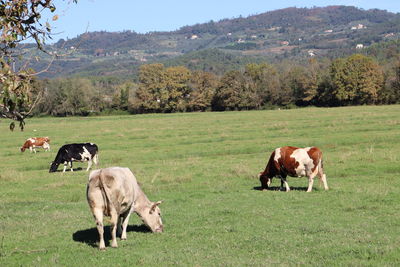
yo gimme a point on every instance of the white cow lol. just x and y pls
(115, 192)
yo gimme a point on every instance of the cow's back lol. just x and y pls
(111, 187)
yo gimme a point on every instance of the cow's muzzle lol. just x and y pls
(159, 229)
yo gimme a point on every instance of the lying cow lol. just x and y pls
(35, 142)
(115, 192)
(75, 152)
(295, 162)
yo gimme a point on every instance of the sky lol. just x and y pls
(168, 15)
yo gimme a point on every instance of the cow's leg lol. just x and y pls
(98, 216)
(269, 181)
(284, 182)
(310, 183)
(325, 182)
(31, 149)
(114, 224)
(46, 147)
(89, 165)
(70, 166)
(311, 175)
(65, 166)
(322, 177)
(125, 220)
(311, 180)
(96, 159)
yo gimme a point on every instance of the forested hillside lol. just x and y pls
(291, 33)
(329, 56)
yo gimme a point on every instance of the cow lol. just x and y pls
(75, 152)
(35, 142)
(115, 192)
(295, 162)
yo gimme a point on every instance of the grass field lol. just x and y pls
(204, 166)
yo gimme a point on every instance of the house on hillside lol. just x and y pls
(358, 27)
(99, 52)
(311, 53)
(359, 46)
(284, 43)
(389, 35)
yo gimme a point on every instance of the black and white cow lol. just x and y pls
(75, 152)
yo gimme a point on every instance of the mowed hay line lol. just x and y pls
(205, 166)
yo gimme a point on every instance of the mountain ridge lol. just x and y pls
(294, 33)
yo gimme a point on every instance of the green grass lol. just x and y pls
(204, 166)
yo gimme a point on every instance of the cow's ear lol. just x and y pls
(154, 205)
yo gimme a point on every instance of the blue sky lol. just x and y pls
(168, 15)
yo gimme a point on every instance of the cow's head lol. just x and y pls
(151, 216)
(265, 180)
(22, 149)
(53, 167)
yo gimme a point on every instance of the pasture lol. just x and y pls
(204, 166)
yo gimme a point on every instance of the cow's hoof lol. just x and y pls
(123, 238)
(102, 248)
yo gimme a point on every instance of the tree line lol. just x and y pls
(353, 80)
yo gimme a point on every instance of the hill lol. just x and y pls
(293, 33)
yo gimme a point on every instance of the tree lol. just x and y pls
(121, 98)
(396, 84)
(151, 82)
(263, 80)
(391, 93)
(233, 93)
(176, 91)
(356, 80)
(162, 89)
(20, 20)
(202, 88)
(302, 83)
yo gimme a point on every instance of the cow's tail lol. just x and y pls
(109, 199)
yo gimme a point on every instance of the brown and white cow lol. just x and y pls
(35, 142)
(295, 162)
(115, 192)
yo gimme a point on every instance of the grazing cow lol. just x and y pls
(115, 192)
(295, 162)
(35, 142)
(75, 152)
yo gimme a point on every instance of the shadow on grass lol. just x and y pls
(69, 170)
(277, 188)
(91, 236)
